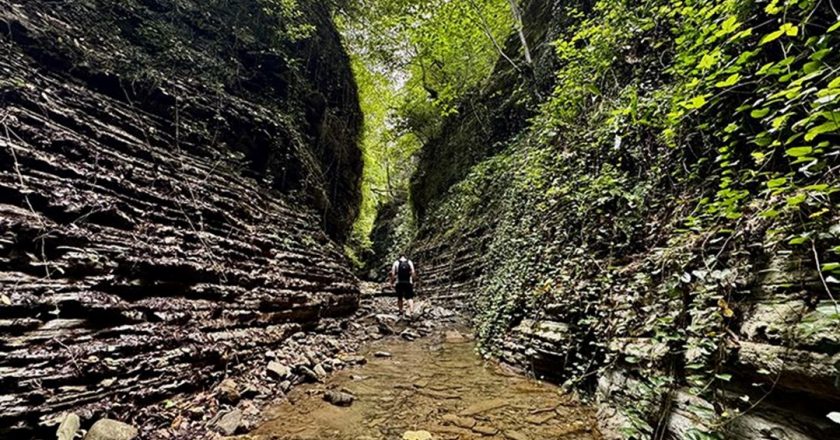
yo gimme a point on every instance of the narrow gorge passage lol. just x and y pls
(636, 202)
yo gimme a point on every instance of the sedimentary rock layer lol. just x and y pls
(149, 228)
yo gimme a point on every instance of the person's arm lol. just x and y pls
(391, 276)
(413, 272)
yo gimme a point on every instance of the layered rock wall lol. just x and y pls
(577, 261)
(161, 223)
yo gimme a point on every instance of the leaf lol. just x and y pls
(775, 183)
(729, 25)
(828, 267)
(760, 113)
(819, 55)
(695, 103)
(797, 240)
(811, 67)
(796, 200)
(833, 27)
(729, 81)
(724, 377)
(827, 127)
(770, 37)
(799, 151)
(707, 61)
(786, 29)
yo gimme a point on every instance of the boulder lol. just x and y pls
(278, 370)
(107, 429)
(309, 374)
(228, 391)
(409, 335)
(229, 422)
(339, 398)
(68, 427)
(319, 371)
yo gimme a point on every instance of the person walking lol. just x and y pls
(402, 277)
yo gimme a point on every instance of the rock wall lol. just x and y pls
(488, 120)
(578, 265)
(166, 181)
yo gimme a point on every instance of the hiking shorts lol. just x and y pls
(405, 290)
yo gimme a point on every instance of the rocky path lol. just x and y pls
(372, 375)
(435, 387)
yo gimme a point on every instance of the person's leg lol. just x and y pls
(400, 293)
(409, 294)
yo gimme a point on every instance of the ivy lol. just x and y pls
(686, 142)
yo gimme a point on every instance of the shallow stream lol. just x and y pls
(433, 388)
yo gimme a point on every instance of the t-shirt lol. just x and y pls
(395, 268)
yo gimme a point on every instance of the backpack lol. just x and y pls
(404, 271)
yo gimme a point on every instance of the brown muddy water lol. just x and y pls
(433, 388)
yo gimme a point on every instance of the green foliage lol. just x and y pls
(686, 142)
(412, 60)
(291, 22)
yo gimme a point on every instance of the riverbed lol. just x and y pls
(436, 387)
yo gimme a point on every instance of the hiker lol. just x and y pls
(402, 279)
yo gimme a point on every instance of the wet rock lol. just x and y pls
(250, 392)
(385, 329)
(285, 385)
(309, 374)
(228, 391)
(463, 422)
(312, 357)
(453, 337)
(278, 370)
(437, 394)
(339, 398)
(353, 359)
(516, 435)
(484, 406)
(417, 435)
(68, 427)
(382, 354)
(107, 429)
(319, 371)
(485, 429)
(229, 422)
(388, 318)
(539, 419)
(409, 335)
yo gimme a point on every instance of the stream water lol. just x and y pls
(433, 388)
